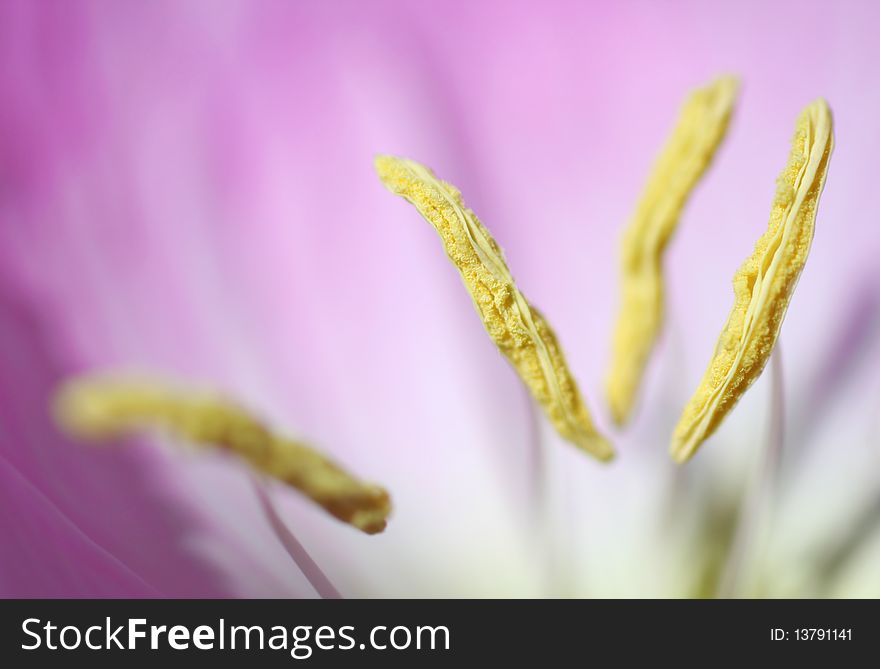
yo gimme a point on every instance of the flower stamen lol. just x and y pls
(517, 328)
(701, 128)
(763, 285)
(103, 408)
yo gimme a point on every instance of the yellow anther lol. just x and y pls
(517, 328)
(763, 286)
(103, 408)
(701, 127)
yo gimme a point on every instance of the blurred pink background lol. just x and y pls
(187, 188)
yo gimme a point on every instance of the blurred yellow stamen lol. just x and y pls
(517, 328)
(103, 408)
(763, 286)
(701, 127)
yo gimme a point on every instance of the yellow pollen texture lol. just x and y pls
(701, 127)
(98, 409)
(763, 285)
(517, 328)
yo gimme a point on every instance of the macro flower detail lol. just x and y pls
(701, 127)
(518, 329)
(763, 285)
(209, 212)
(97, 409)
